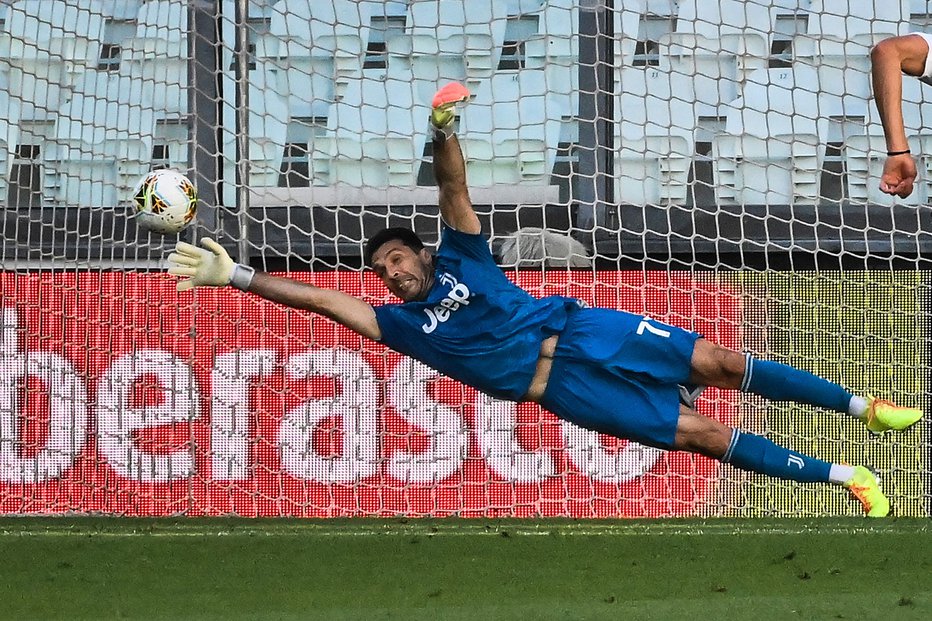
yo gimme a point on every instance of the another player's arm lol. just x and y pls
(210, 265)
(449, 166)
(889, 60)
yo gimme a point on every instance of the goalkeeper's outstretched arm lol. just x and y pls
(449, 165)
(210, 265)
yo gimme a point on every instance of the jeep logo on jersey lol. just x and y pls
(458, 296)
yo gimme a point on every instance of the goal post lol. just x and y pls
(714, 169)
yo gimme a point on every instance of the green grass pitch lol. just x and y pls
(109, 568)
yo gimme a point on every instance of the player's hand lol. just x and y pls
(444, 105)
(205, 265)
(899, 173)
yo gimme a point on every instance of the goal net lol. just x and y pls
(714, 165)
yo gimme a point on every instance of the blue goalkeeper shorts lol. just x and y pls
(618, 374)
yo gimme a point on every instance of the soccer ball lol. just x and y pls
(165, 201)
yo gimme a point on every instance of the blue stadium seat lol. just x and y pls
(102, 143)
(511, 130)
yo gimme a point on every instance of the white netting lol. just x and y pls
(712, 163)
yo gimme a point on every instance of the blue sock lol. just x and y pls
(781, 382)
(758, 454)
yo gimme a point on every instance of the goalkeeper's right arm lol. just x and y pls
(209, 265)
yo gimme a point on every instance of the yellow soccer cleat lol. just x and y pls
(444, 105)
(864, 486)
(884, 415)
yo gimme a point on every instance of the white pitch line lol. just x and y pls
(468, 530)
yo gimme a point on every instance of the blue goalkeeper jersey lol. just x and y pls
(475, 326)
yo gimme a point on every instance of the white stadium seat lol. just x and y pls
(310, 59)
(102, 143)
(773, 144)
(627, 20)
(376, 134)
(857, 18)
(843, 60)
(555, 48)
(158, 55)
(9, 135)
(718, 44)
(46, 44)
(511, 130)
(269, 115)
(450, 40)
(319, 46)
(654, 133)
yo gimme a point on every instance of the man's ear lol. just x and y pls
(426, 255)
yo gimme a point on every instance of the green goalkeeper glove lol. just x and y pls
(444, 109)
(208, 265)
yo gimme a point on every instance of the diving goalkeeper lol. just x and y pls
(606, 370)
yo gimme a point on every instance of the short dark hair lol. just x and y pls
(406, 236)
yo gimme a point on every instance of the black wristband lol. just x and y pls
(892, 153)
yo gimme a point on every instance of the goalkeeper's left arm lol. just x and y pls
(209, 265)
(449, 166)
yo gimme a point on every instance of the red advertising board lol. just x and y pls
(118, 395)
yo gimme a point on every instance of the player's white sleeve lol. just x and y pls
(927, 71)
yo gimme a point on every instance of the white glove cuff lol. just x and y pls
(242, 276)
(440, 134)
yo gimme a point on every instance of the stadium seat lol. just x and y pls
(773, 144)
(856, 18)
(269, 115)
(843, 61)
(450, 40)
(511, 130)
(319, 46)
(376, 134)
(555, 48)
(627, 20)
(156, 57)
(9, 135)
(308, 60)
(656, 119)
(46, 44)
(718, 44)
(102, 143)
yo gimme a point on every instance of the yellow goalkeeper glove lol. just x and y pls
(444, 109)
(208, 265)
